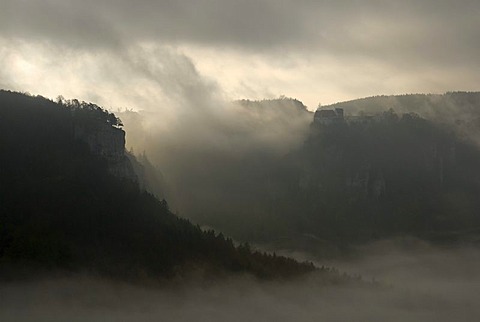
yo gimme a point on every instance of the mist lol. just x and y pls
(414, 281)
(206, 147)
(217, 99)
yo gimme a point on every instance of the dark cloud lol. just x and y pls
(245, 23)
(409, 30)
(60, 22)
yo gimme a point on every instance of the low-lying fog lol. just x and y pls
(421, 283)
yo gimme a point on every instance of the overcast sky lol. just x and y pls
(123, 53)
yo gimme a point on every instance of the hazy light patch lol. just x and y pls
(24, 68)
(53, 70)
(319, 78)
(142, 77)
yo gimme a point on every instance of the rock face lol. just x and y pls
(104, 140)
(366, 182)
(108, 142)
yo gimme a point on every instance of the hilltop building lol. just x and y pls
(328, 117)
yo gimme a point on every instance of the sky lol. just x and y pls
(144, 54)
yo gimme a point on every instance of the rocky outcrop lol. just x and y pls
(104, 140)
(366, 182)
(108, 142)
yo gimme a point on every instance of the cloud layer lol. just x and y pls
(313, 50)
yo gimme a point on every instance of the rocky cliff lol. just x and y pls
(107, 141)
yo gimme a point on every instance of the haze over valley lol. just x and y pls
(239, 160)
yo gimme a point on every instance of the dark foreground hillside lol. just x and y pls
(62, 208)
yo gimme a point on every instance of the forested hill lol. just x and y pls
(458, 110)
(62, 206)
(385, 174)
(358, 179)
(451, 105)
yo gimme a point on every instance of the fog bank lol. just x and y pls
(420, 284)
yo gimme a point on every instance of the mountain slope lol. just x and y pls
(62, 206)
